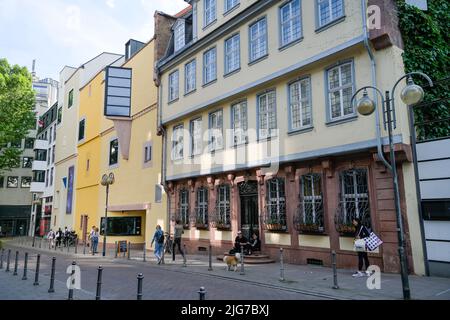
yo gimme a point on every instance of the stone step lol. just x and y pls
(253, 259)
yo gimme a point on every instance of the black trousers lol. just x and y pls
(363, 259)
(177, 242)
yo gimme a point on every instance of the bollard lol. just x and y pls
(84, 247)
(16, 264)
(210, 259)
(1, 259)
(72, 282)
(36, 275)
(8, 260)
(335, 281)
(40, 243)
(25, 267)
(76, 246)
(68, 246)
(117, 250)
(143, 256)
(129, 250)
(202, 293)
(52, 277)
(281, 265)
(99, 283)
(242, 260)
(139, 290)
(184, 256)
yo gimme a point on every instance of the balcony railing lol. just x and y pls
(275, 219)
(310, 217)
(349, 209)
(183, 216)
(41, 145)
(220, 219)
(201, 219)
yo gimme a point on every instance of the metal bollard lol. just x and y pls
(335, 281)
(71, 284)
(16, 264)
(99, 283)
(210, 258)
(202, 293)
(40, 243)
(8, 260)
(242, 260)
(84, 247)
(1, 259)
(129, 250)
(68, 246)
(139, 290)
(184, 256)
(76, 246)
(25, 267)
(117, 250)
(144, 253)
(36, 275)
(52, 277)
(281, 265)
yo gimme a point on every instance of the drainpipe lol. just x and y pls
(374, 82)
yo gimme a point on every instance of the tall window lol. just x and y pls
(29, 143)
(70, 99)
(202, 207)
(174, 85)
(216, 130)
(190, 76)
(196, 137)
(258, 39)
(49, 158)
(184, 207)
(114, 152)
(230, 4)
(354, 196)
(53, 154)
(232, 54)
(311, 203)
(180, 35)
(47, 178)
(300, 104)
(290, 18)
(210, 66)
(51, 176)
(148, 153)
(240, 124)
(177, 143)
(81, 130)
(276, 203)
(209, 11)
(223, 220)
(59, 115)
(329, 10)
(50, 138)
(340, 91)
(267, 115)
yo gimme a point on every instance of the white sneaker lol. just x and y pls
(358, 274)
(368, 273)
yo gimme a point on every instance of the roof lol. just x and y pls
(183, 12)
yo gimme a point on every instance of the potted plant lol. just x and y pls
(200, 224)
(222, 225)
(275, 225)
(310, 228)
(346, 229)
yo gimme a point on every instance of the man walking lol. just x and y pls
(158, 237)
(179, 230)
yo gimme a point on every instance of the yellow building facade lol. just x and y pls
(136, 200)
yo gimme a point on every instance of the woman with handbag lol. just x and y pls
(361, 234)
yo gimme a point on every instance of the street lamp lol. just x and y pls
(411, 94)
(106, 182)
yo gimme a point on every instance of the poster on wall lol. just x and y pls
(70, 190)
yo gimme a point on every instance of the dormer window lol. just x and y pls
(179, 35)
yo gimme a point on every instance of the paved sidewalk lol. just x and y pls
(312, 281)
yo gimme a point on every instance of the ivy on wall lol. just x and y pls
(426, 38)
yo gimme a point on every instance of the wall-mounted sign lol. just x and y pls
(118, 92)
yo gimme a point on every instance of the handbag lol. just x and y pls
(373, 242)
(360, 245)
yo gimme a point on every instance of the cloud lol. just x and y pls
(111, 3)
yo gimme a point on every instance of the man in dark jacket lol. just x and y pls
(239, 241)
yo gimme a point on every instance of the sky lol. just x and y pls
(70, 32)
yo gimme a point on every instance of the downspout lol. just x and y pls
(374, 83)
(164, 152)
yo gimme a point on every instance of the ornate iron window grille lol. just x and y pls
(275, 219)
(310, 214)
(201, 211)
(221, 217)
(353, 202)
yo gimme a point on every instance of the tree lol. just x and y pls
(17, 101)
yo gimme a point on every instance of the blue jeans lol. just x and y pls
(158, 250)
(94, 245)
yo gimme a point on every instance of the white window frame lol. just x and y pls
(178, 143)
(209, 12)
(340, 89)
(231, 4)
(210, 66)
(179, 35)
(302, 102)
(313, 199)
(190, 79)
(174, 85)
(270, 131)
(184, 206)
(294, 18)
(332, 17)
(239, 113)
(232, 49)
(216, 130)
(261, 38)
(196, 137)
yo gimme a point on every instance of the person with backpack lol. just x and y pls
(158, 238)
(361, 233)
(59, 236)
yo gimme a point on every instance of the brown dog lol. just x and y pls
(232, 261)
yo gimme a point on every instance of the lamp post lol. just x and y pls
(106, 182)
(411, 94)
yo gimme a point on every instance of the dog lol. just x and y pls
(232, 261)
